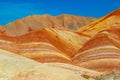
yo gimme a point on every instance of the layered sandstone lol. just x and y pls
(14, 67)
(95, 46)
(45, 44)
(102, 52)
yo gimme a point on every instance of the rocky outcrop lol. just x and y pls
(111, 76)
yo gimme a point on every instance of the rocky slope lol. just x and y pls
(111, 20)
(34, 22)
(46, 43)
(102, 51)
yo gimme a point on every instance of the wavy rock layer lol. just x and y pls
(14, 67)
(101, 53)
(95, 46)
(111, 20)
(45, 45)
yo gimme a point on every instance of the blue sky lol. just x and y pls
(11, 10)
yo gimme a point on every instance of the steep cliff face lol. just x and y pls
(34, 22)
